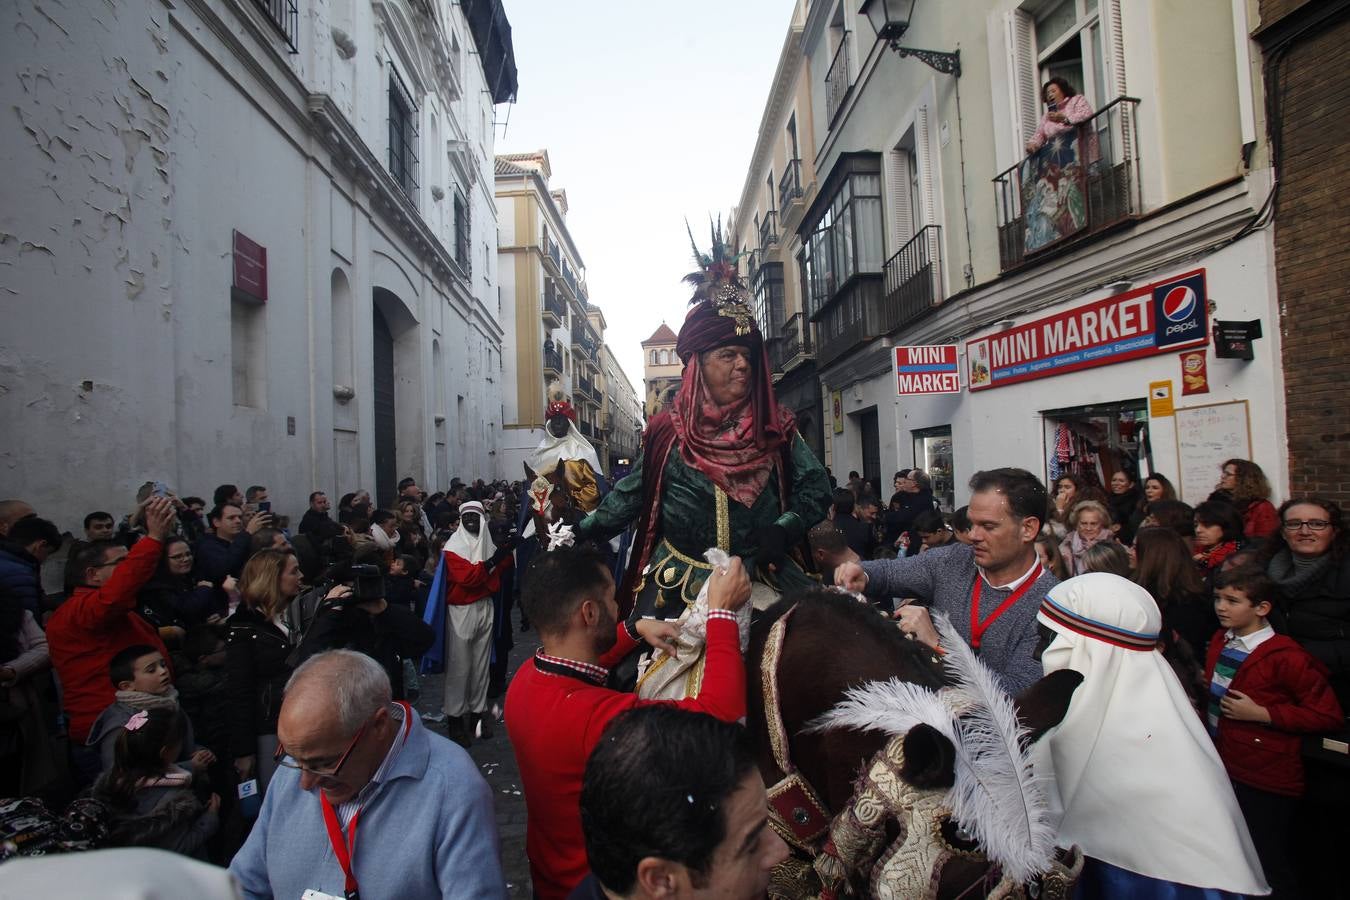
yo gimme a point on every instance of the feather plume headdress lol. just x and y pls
(995, 797)
(717, 281)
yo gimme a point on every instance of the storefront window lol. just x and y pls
(933, 454)
(1095, 442)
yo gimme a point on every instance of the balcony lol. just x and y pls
(585, 427)
(585, 387)
(555, 305)
(912, 279)
(1082, 182)
(852, 317)
(285, 15)
(793, 346)
(569, 277)
(790, 186)
(836, 81)
(552, 254)
(552, 364)
(768, 231)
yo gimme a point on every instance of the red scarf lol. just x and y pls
(733, 445)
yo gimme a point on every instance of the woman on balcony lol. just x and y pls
(1065, 109)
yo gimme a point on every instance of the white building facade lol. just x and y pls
(932, 225)
(249, 242)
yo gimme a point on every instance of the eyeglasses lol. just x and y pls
(1313, 524)
(282, 759)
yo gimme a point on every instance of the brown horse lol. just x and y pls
(832, 644)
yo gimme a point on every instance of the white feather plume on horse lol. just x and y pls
(995, 797)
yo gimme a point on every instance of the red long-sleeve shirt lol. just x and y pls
(92, 627)
(470, 582)
(555, 720)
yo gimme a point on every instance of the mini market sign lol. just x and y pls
(930, 369)
(1158, 318)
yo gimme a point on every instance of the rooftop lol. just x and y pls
(662, 335)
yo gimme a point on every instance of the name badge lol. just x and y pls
(312, 894)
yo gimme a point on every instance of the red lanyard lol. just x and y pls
(978, 628)
(345, 848)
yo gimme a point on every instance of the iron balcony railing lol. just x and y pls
(586, 387)
(285, 15)
(553, 362)
(586, 429)
(555, 305)
(1081, 182)
(790, 185)
(852, 317)
(570, 277)
(794, 345)
(836, 80)
(553, 254)
(913, 279)
(768, 231)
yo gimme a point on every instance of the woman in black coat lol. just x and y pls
(1308, 558)
(258, 648)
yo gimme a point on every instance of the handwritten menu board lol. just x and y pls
(1206, 436)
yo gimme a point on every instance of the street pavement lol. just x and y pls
(498, 765)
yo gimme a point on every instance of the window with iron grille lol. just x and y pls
(461, 232)
(402, 136)
(285, 16)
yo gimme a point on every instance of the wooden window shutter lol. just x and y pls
(1023, 76)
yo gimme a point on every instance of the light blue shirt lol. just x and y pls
(427, 829)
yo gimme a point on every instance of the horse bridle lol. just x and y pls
(796, 811)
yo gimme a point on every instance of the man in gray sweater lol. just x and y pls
(990, 589)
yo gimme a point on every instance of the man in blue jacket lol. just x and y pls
(351, 759)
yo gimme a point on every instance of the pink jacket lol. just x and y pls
(1076, 108)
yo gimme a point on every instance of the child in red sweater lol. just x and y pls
(558, 704)
(1264, 691)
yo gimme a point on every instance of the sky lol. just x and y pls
(649, 112)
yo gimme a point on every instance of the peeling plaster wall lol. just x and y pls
(138, 140)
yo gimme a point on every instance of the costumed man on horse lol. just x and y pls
(723, 467)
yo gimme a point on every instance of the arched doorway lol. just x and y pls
(386, 463)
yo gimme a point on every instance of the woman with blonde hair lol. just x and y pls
(1089, 523)
(257, 652)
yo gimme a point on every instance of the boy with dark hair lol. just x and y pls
(558, 703)
(961, 524)
(1264, 692)
(701, 824)
(143, 680)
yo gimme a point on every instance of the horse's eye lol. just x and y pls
(957, 837)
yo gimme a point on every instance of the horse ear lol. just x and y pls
(560, 473)
(1043, 705)
(529, 473)
(930, 758)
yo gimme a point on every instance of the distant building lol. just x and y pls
(553, 334)
(661, 369)
(248, 243)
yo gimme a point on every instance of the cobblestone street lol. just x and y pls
(498, 765)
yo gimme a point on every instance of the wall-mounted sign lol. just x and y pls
(1233, 340)
(1194, 373)
(928, 369)
(250, 270)
(837, 410)
(1157, 318)
(1160, 399)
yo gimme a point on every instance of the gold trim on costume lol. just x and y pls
(723, 520)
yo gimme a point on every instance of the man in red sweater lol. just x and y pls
(99, 619)
(558, 705)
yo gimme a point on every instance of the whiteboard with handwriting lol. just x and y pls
(1206, 436)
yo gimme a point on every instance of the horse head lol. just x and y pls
(549, 498)
(883, 815)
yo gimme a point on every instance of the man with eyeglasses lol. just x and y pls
(351, 760)
(99, 620)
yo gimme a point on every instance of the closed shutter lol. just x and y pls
(924, 153)
(1023, 90)
(897, 198)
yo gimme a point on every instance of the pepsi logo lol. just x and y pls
(1179, 304)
